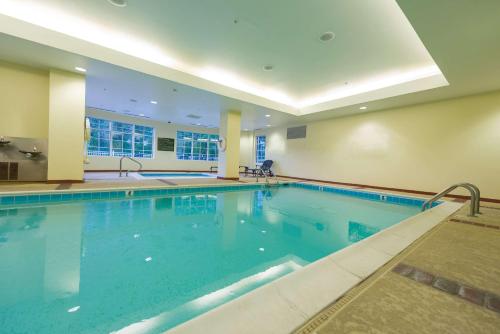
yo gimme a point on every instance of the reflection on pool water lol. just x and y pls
(149, 264)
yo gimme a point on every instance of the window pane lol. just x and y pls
(143, 141)
(260, 149)
(196, 146)
(98, 144)
(120, 139)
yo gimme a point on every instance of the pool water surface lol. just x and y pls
(149, 264)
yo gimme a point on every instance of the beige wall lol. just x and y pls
(162, 160)
(247, 149)
(66, 120)
(229, 158)
(424, 147)
(24, 101)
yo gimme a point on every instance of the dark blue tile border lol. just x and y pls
(379, 197)
(42, 198)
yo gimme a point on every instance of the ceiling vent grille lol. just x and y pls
(296, 132)
(193, 116)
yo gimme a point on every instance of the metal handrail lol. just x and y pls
(265, 176)
(474, 192)
(478, 197)
(131, 159)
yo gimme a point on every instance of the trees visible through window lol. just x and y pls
(260, 149)
(197, 146)
(119, 139)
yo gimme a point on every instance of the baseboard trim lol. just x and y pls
(149, 170)
(228, 178)
(64, 181)
(409, 191)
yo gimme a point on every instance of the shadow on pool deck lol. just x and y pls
(447, 282)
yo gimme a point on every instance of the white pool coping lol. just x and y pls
(285, 304)
(139, 176)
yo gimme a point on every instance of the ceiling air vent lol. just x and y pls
(296, 132)
(193, 116)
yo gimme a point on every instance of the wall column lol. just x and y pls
(229, 160)
(66, 125)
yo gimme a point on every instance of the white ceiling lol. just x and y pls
(222, 46)
(111, 88)
(464, 46)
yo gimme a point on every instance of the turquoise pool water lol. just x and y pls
(147, 264)
(175, 175)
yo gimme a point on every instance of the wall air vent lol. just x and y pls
(296, 132)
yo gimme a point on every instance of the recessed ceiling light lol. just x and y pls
(245, 129)
(327, 36)
(154, 102)
(268, 67)
(198, 124)
(118, 3)
(80, 69)
(363, 107)
(268, 125)
(142, 115)
(268, 115)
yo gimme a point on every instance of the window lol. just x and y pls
(260, 149)
(121, 136)
(119, 139)
(197, 146)
(143, 142)
(99, 137)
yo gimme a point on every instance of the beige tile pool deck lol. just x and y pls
(389, 302)
(358, 289)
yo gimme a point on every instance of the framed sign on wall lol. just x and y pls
(166, 144)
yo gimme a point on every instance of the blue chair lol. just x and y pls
(264, 170)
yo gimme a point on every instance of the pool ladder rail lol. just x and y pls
(131, 159)
(475, 196)
(266, 177)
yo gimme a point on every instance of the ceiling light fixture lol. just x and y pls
(268, 115)
(268, 125)
(80, 69)
(142, 115)
(327, 36)
(118, 3)
(363, 108)
(154, 102)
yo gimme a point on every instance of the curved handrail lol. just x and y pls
(475, 197)
(131, 159)
(477, 203)
(260, 170)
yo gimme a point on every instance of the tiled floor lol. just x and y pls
(450, 285)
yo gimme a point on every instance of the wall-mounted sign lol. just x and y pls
(166, 144)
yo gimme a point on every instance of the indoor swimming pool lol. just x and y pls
(148, 260)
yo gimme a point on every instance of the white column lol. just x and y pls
(229, 159)
(66, 124)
